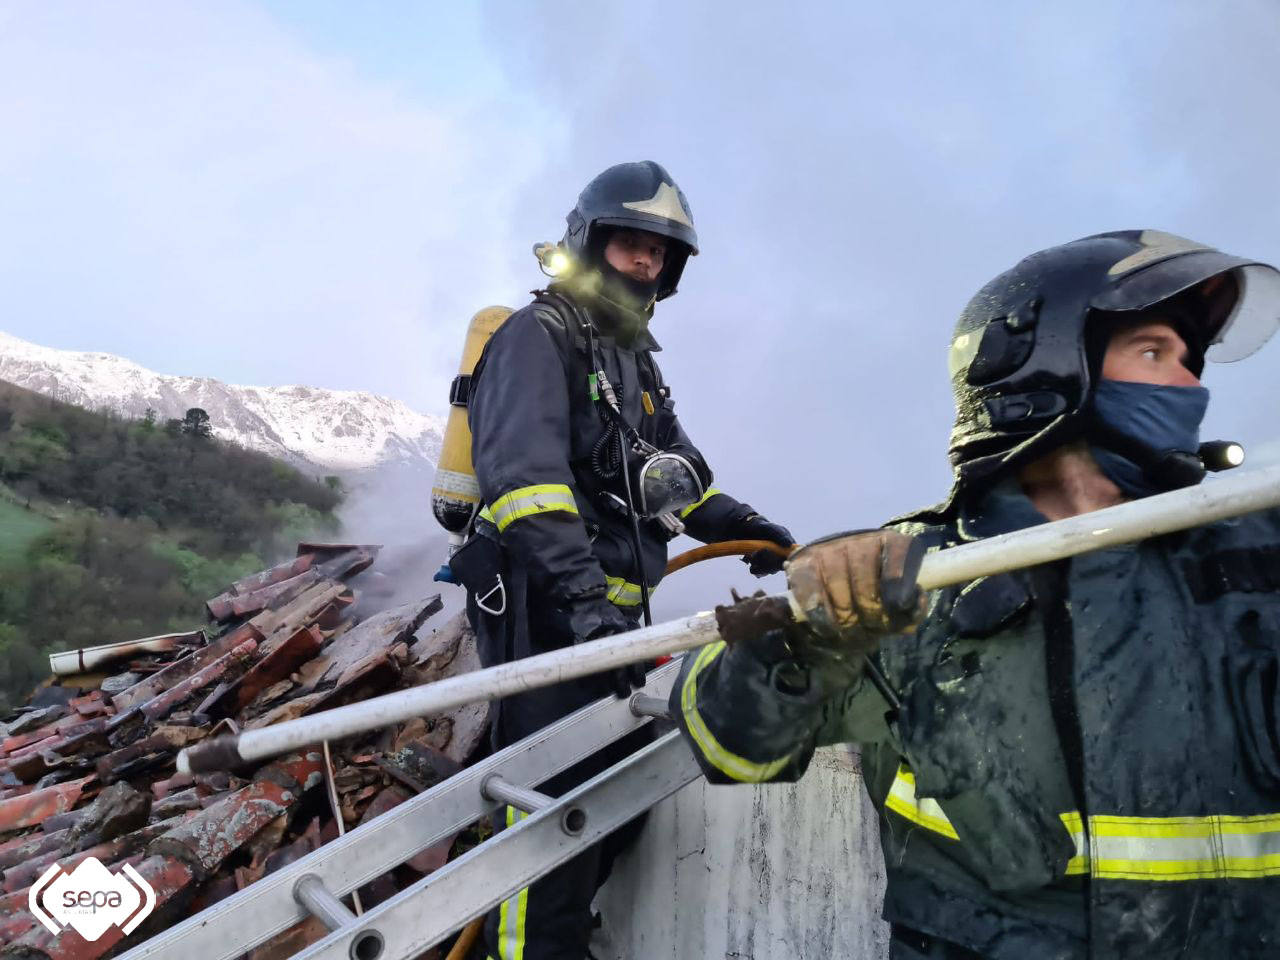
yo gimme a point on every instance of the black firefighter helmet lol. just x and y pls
(1022, 363)
(641, 196)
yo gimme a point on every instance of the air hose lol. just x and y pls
(727, 548)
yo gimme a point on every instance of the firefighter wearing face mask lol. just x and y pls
(586, 474)
(1075, 760)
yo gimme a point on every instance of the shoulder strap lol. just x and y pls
(571, 330)
(572, 327)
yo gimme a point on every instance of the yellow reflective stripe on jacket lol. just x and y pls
(1079, 864)
(512, 912)
(730, 764)
(1215, 847)
(1184, 848)
(526, 501)
(927, 813)
(711, 492)
(922, 811)
(621, 592)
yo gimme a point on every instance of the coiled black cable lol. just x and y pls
(606, 454)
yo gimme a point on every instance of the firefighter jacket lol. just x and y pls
(1086, 760)
(536, 432)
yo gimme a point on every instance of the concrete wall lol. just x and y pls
(752, 873)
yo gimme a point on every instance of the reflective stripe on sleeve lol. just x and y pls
(621, 592)
(711, 492)
(526, 501)
(730, 764)
(921, 811)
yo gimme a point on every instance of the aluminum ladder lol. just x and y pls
(445, 900)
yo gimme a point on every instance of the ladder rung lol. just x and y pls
(320, 902)
(643, 705)
(522, 798)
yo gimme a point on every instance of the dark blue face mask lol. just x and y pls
(1158, 417)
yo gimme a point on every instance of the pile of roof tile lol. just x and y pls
(87, 767)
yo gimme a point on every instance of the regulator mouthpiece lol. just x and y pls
(552, 260)
(1219, 455)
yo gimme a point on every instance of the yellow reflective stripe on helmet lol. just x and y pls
(621, 592)
(921, 811)
(711, 492)
(526, 501)
(1184, 848)
(730, 764)
(512, 912)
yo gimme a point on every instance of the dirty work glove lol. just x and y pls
(593, 618)
(764, 562)
(853, 588)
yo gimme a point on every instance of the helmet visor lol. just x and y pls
(1253, 319)
(1240, 311)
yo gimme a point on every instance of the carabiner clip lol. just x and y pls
(498, 588)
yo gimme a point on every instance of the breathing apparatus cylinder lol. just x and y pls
(455, 495)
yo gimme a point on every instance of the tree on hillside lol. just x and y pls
(196, 423)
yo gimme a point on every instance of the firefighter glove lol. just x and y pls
(853, 588)
(764, 562)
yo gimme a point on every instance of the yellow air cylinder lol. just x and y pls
(455, 496)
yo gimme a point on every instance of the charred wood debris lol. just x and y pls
(87, 766)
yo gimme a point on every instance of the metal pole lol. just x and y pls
(531, 673)
(1218, 499)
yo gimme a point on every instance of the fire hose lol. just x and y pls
(1219, 499)
(727, 548)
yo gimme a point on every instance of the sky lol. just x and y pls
(323, 192)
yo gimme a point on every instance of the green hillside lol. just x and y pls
(113, 529)
(19, 525)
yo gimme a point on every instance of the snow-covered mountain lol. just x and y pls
(329, 431)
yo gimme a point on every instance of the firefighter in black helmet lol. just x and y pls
(1076, 760)
(586, 474)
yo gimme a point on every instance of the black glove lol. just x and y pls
(592, 618)
(764, 562)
